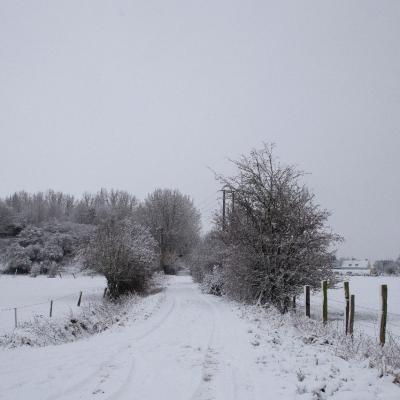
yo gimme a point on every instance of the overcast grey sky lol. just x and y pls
(142, 94)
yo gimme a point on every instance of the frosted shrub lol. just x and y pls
(276, 236)
(53, 270)
(50, 242)
(125, 253)
(52, 252)
(208, 254)
(35, 270)
(17, 259)
(212, 282)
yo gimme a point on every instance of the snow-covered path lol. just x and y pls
(173, 354)
(186, 346)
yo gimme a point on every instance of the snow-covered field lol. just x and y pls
(31, 296)
(367, 301)
(184, 345)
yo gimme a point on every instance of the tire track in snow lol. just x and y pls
(121, 390)
(219, 363)
(105, 365)
(203, 387)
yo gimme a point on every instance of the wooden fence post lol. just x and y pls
(105, 292)
(294, 303)
(352, 312)
(15, 317)
(51, 308)
(325, 301)
(307, 299)
(347, 299)
(382, 333)
(79, 300)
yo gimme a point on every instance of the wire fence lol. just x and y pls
(374, 321)
(75, 300)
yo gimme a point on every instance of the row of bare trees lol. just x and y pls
(270, 240)
(23, 208)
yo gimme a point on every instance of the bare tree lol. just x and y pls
(276, 235)
(93, 208)
(173, 221)
(8, 224)
(41, 206)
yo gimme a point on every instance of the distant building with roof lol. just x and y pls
(353, 266)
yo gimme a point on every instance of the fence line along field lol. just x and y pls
(367, 291)
(32, 296)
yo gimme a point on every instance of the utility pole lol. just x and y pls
(223, 209)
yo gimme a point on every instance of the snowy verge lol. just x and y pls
(360, 346)
(93, 317)
(323, 359)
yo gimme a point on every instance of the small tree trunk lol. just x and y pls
(286, 302)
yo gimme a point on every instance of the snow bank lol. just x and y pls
(329, 359)
(93, 316)
(31, 297)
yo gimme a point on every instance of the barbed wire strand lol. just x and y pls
(48, 301)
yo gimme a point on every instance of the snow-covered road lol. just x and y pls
(184, 346)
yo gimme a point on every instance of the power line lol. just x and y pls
(206, 199)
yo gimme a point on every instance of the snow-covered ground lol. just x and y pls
(31, 296)
(367, 301)
(184, 345)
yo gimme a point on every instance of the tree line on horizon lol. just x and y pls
(109, 231)
(269, 240)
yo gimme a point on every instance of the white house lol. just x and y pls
(354, 267)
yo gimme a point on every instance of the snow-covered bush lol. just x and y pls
(17, 260)
(275, 235)
(209, 252)
(55, 242)
(125, 253)
(34, 252)
(35, 270)
(52, 252)
(52, 270)
(213, 282)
